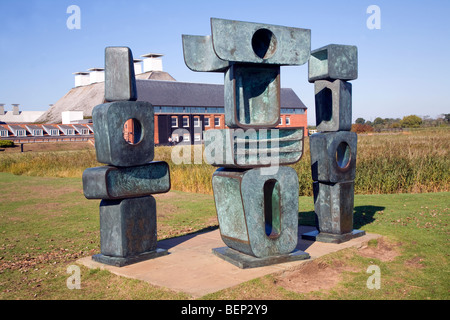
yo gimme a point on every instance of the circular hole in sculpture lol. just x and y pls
(132, 131)
(264, 43)
(343, 155)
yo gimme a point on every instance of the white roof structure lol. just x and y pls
(23, 117)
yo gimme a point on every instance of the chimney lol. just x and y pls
(137, 66)
(16, 111)
(2, 109)
(152, 62)
(81, 79)
(96, 75)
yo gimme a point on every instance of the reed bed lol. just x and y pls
(416, 162)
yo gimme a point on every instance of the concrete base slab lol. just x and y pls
(124, 261)
(244, 261)
(191, 266)
(332, 238)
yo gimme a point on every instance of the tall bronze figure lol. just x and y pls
(255, 192)
(123, 131)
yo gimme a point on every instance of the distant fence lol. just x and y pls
(19, 140)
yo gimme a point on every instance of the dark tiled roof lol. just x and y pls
(158, 93)
(184, 94)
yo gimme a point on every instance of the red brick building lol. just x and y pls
(196, 107)
(187, 108)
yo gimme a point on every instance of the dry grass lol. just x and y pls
(397, 163)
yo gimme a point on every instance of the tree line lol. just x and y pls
(411, 121)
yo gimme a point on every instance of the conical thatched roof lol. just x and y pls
(155, 88)
(85, 98)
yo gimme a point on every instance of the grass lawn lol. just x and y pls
(46, 224)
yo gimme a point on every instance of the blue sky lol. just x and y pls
(404, 67)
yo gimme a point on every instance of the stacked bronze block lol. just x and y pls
(333, 149)
(123, 131)
(256, 194)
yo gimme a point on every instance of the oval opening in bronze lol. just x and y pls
(132, 131)
(343, 155)
(272, 208)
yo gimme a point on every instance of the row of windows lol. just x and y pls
(197, 136)
(197, 122)
(188, 110)
(206, 121)
(40, 133)
(186, 137)
(292, 111)
(211, 110)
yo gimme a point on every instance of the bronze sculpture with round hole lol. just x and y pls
(256, 196)
(123, 132)
(333, 149)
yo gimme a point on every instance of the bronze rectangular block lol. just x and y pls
(128, 227)
(258, 214)
(333, 204)
(333, 156)
(120, 83)
(111, 183)
(111, 147)
(238, 148)
(334, 61)
(252, 96)
(333, 102)
(250, 42)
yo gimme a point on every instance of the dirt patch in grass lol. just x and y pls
(384, 250)
(320, 275)
(415, 262)
(42, 191)
(167, 195)
(28, 261)
(49, 209)
(313, 276)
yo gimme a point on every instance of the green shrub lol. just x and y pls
(6, 144)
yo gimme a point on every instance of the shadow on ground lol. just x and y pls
(362, 215)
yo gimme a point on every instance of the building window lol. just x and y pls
(3, 133)
(288, 121)
(197, 110)
(54, 132)
(186, 137)
(174, 122)
(216, 121)
(197, 122)
(215, 110)
(281, 121)
(185, 122)
(166, 109)
(197, 137)
(206, 122)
